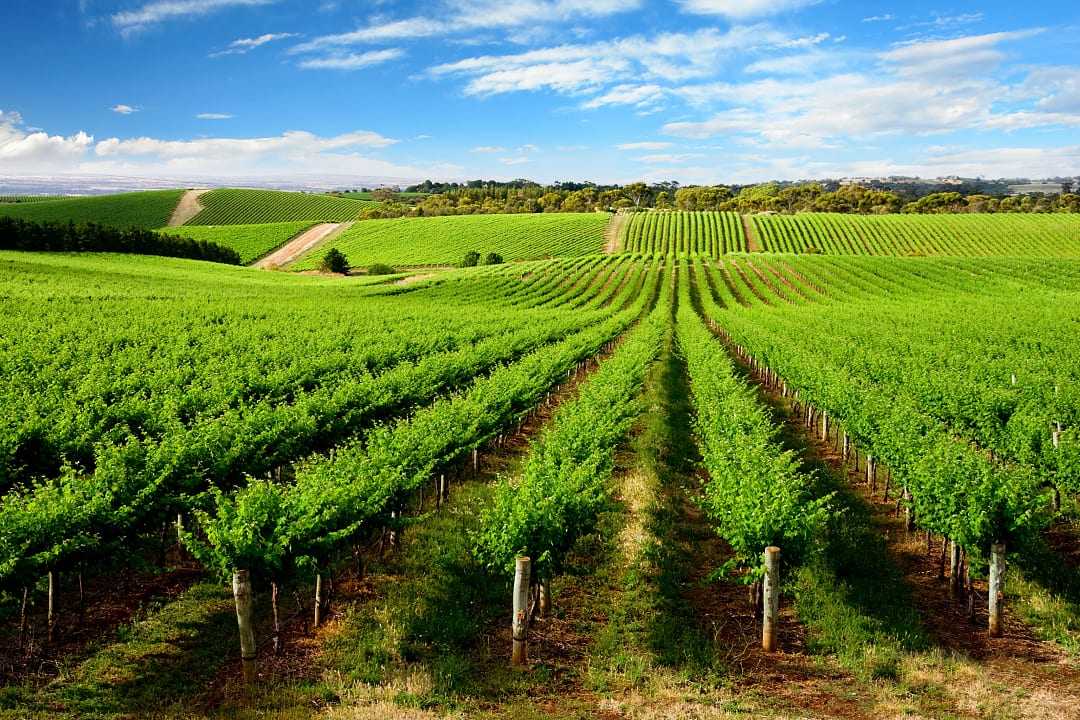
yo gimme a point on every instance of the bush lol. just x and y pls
(18, 234)
(335, 261)
(493, 259)
(380, 269)
(472, 259)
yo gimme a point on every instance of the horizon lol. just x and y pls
(176, 92)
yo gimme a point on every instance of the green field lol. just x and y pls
(251, 241)
(151, 209)
(709, 233)
(1049, 235)
(250, 207)
(11, 199)
(445, 240)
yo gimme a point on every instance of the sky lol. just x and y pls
(696, 91)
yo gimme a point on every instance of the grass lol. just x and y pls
(150, 209)
(251, 241)
(445, 240)
(252, 207)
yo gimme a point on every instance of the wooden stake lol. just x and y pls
(277, 625)
(824, 426)
(318, 599)
(51, 617)
(520, 626)
(242, 598)
(997, 580)
(545, 598)
(476, 460)
(772, 599)
(22, 614)
(954, 567)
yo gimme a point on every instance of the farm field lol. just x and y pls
(150, 209)
(250, 241)
(632, 423)
(963, 235)
(249, 207)
(445, 240)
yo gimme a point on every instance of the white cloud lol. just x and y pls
(352, 61)
(23, 151)
(246, 45)
(478, 15)
(488, 149)
(159, 11)
(214, 116)
(640, 96)
(517, 160)
(879, 18)
(674, 158)
(942, 58)
(646, 145)
(743, 9)
(671, 57)
(124, 109)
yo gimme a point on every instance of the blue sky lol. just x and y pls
(602, 90)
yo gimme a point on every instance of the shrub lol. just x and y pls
(380, 269)
(472, 259)
(493, 259)
(335, 261)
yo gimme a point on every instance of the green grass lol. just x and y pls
(249, 207)
(251, 241)
(707, 233)
(445, 240)
(150, 209)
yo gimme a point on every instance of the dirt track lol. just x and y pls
(188, 207)
(612, 233)
(298, 246)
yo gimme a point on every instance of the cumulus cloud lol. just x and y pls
(160, 11)
(23, 151)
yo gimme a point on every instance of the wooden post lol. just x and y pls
(22, 614)
(824, 426)
(997, 578)
(51, 616)
(772, 599)
(847, 446)
(277, 624)
(318, 599)
(545, 598)
(941, 557)
(954, 567)
(871, 474)
(242, 597)
(909, 522)
(520, 627)
(475, 460)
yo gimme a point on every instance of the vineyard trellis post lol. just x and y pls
(997, 578)
(242, 597)
(771, 591)
(520, 626)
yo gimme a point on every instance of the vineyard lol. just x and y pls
(764, 484)
(706, 233)
(250, 241)
(714, 234)
(251, 207)
(445, 240)
(149, 209)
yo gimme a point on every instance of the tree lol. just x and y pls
(493, 259)
(472, 259)
(335, 261)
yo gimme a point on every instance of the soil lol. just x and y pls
(414, 279)
(613, 231)
(299, 245)
(188, 207)
(752, 244)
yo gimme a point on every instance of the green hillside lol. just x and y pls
(247, 207)
(150, 209)
(445, 240)
(251, 241)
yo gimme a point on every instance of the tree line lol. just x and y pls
(520, 196)
(17, 234)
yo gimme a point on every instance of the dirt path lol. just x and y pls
(752, 244)
(299, 245)
(188, 207)
(613, 233)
